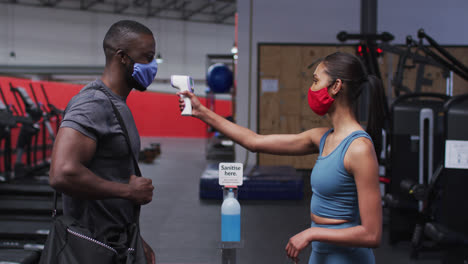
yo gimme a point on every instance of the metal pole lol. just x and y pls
(368, 26)
(368, 16)
(229, 256)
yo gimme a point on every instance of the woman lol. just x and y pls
(346, 208)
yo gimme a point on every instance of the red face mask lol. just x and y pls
(320, 101)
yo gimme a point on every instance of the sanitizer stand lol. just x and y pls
(229, 253)
(230, 177)
(228, 248)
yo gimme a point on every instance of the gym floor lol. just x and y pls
(182, 229)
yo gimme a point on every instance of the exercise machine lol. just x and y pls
(416, 145)
(38, 113)
(8, 121)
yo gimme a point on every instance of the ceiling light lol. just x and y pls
(159, 59)
(234, 50)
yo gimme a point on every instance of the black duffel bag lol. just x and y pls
(70, 243)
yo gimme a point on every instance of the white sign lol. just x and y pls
(456, 154)
(231, 174)
(269, 85)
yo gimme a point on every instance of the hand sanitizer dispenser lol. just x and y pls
(230, 218)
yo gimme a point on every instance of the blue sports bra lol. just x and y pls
(334, 189)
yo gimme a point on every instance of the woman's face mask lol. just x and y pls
(320, 101)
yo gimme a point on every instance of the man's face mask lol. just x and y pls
(144, 74)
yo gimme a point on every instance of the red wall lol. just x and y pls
(155, 114)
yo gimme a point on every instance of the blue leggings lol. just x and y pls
(326, 253)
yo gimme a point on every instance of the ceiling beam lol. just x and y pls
(119, 8)
(87, 4)
(48, 3)
(222, 8)
(198, 10)
(222, 18)
(206, 11)
(140, 3)
(159, 9)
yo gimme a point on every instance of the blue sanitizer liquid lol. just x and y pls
(230, 228)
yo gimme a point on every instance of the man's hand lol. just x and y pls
(141, 190)
(149, 253)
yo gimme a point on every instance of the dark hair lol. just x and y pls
(120, 34)
(350, 70)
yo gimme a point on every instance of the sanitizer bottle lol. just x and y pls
(230, 219)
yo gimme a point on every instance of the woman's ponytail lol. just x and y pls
(351, 71)
(378, 112)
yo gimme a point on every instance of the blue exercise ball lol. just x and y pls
(219, 78)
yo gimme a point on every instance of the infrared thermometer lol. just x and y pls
(184, 83)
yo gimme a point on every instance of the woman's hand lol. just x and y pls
(196, 105)
(298, 243)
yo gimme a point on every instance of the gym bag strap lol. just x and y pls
(69, 242)
(124, 129)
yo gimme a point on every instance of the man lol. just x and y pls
(91, 163)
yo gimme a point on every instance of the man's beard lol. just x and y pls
(138, 86)
(133, 83)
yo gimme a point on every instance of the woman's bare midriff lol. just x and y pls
(326, 221)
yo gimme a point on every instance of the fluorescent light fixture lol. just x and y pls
(159, 59)
(234, 50)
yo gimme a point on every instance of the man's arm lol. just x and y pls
(68, 173)
(149, 253)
